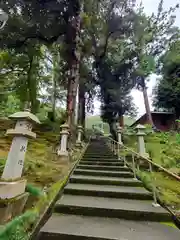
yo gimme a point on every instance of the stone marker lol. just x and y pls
(141, 144)
(12, 186)
(79, 137)
(62, 151)
(23, 130)
(119, 131)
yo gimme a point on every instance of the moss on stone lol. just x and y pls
(169, 224)
(168, 189)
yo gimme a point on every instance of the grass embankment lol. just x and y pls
(165, 151)
(42, 166)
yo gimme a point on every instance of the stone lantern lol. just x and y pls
(79, 136)
(11, 184)
(62, 151)
(119, 132)
(141, 144)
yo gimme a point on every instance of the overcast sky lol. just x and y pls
(149, 7)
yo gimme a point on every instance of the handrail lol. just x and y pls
(117, 146)
(148, 160)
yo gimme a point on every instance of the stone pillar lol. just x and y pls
(23, 130)
(79, 137)
(141, 144)
(11, 183)
(62, 151)
(119, 131)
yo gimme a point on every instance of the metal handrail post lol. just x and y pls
(114, 147)
(134, 167)
(119, 158)
(155, 203)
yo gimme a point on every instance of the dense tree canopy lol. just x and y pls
(167, 92)
(52, 48)
(44, 21)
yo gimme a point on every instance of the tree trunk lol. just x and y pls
(81, 106)
(54, 98)
(32, 86)
(147, 107)
(121, 121)
(112, 128)
(73, 37)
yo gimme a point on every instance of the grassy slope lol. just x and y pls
(165, 152)
(42, 167)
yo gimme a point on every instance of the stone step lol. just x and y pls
(101, 167)
(105, 180)
(100, 159)
(125, 174)
(73, 227)
(111, 207)
(101, 153)
(98, 150)
(106, 163)
(108, 191)
(95, 147)
(106, 205)
(99, 156)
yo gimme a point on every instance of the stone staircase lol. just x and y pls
(103, 201)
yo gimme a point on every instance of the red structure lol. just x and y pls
(164, 121)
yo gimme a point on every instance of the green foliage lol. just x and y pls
(167, 188)
(163, 148)
(147, 31)
(25, 74)
(146, 66)
(10, 106)
(34, 190)
(22, 70)
(148, 129)
(165, 136)
(19, 228)
(178, 138)
(167, 91)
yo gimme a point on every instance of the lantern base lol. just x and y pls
(9, 190)
(10, 208)
(145, 155)
(62, 153)
(79, 144)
